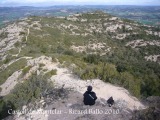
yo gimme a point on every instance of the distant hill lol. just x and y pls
(144, 14)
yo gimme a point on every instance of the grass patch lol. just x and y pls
(11, 69)
(8, 59)
(14, 51)
(17, 44)
(51, 73)
(1, 63)
(26, 70)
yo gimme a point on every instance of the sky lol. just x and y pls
(77, 2)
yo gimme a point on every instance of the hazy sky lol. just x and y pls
(77, 2)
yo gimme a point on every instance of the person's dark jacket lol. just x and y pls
(89, 98)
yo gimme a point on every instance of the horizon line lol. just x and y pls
(73, 5)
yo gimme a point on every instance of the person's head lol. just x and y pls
(89, 89)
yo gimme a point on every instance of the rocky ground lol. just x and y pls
(68, 101)
(65, 104)
(73, 108)
(70, 106)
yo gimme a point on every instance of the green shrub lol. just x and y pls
(29, 91)
(121, 67)
(63, 58)
(23, 40)
(35, 25)
(14, 51)
(88, 73)
(4, 35)
(92, 58)
(54, 59)
(25, 92)
(101, 71)
(44, 49)
(17, 44)
(11, 69)
(68, 52)
(60, 50)
(108, 73)
(4, 107)
(129, 82)
(8, 59)
(41, 65)
(51, 73)
(21, 33)
(26, 70)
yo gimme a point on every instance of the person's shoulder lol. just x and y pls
(85, 93)
(93, 92)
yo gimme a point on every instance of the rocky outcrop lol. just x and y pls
(68, 105)
(152, 112)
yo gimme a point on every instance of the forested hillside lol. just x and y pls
(91, 45)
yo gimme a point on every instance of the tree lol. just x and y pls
(121, 67)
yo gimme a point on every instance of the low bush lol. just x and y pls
(92, 58)
(26, 70)
(7, 59)
(24, 93)
(11, 69)
(35, 25)
(108, 73)
(21, 33)
(17, 44)
(68, 52)
(51, 73)
(41, 65)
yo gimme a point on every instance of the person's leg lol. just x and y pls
(112, 102)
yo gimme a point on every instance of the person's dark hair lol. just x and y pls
(89, 88)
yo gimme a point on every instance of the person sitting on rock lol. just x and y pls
(89, 96)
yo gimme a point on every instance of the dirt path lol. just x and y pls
(28, 31)
(4, 66)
